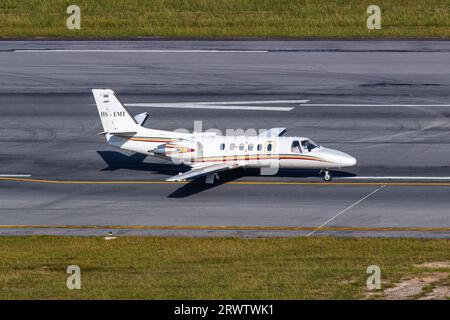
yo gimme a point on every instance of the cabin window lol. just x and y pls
(295, 147)
(222, 146)
(259, 147)
(232, 145)
(269, 147)
(250, 147)
(241, 147)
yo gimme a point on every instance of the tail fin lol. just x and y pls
(115, 118)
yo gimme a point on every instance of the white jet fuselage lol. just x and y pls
(209, 153)
(254, 151)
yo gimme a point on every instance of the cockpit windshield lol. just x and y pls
(309, 145)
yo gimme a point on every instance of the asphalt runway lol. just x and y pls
(387, 103)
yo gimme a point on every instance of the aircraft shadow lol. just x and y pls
(117, 160)
(199, 185)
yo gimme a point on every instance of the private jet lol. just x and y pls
(209, 153)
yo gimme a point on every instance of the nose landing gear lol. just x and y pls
(327, 175)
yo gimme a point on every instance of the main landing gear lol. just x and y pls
(327, 175)
(211, 178)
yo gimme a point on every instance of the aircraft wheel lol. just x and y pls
(212, 178)
(327, 176)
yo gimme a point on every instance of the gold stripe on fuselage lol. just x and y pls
(230, 157)
(259, 157)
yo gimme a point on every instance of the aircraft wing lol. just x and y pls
(274, 132)
(200, 171)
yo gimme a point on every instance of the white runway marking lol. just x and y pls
(15, 175)
(395, 178)
(370, 105)
(343, 211)
(253, 102)
(135, 51)
(207, 106)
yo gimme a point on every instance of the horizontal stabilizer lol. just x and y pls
(118, 133)
(141, 118)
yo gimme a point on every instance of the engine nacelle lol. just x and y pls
(180, 150)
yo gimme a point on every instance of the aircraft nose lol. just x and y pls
(348, 161)
(339, 158)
